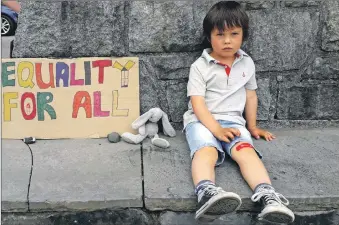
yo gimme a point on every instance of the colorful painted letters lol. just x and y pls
(48, 76)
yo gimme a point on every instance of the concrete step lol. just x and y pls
(303, 166)
(87, 175)
(70, 174)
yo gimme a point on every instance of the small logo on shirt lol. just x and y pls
(243, 74)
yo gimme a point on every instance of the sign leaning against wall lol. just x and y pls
(69, 98)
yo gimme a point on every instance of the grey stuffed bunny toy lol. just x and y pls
(147, 126)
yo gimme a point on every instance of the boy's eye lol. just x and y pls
(220, 34)
(234, 33)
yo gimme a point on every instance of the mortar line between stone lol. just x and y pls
(142, 176)
(30, 176)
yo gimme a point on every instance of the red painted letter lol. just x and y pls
(39, 80)
(101, 64)
(29, 110)
(77, 103)
(97, 106)
(75, 82)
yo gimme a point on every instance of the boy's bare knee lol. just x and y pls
(206, 153)
(242, 150)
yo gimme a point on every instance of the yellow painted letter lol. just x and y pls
(8, 105)
(115, 110)
(29, 81)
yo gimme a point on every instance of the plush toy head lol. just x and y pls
(154, 115)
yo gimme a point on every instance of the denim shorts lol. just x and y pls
(198, 136)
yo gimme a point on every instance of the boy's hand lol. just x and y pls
(226, 134)
(257, 133)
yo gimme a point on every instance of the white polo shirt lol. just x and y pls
(223, 88)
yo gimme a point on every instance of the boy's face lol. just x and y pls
(227, 42)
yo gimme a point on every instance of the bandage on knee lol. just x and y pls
(243, 145)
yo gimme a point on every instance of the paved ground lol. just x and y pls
(94, 174)
(302, 165)
(70, 175)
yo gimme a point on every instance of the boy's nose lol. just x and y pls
(227, 40)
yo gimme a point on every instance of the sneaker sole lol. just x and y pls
(277, 218)
(218, 206)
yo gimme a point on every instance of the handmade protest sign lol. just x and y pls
(69, 98)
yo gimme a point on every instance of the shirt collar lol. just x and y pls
(206, 55)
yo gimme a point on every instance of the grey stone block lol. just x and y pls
(177, 100)
(28, 219)
(200, 9)
(71, 29)
(311, 101)
(16, 164)
(177, 218)
(150, 88)
(139, 217)
(328, 104)
(264, 98)
(298, 124)
(323, 69)
(173, 66)
(244, 218)
(295, 162)
(291, 43)
(330, 32)
(301, 3)
(255, 5)
(85, 174)
(39, 33)
(107, 217)
(96, 28)
(163, 81)
(162, 27)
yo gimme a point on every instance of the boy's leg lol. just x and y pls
(213, 201)
(255, 174)
(206, 153)
(251, 166)
(203, 165)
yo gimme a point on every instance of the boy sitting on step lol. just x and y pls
(221, 86)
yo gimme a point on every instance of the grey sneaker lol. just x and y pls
(275, 210)
(215, 202)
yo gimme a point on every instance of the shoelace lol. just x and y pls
(212, 190)
(270, 196)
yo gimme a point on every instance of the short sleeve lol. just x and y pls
(196, 84)
(251, 83)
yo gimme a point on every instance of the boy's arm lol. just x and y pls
(251, 108)
(205, 117)
(251, 117)
(196, 90)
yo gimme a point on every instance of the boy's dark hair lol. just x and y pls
(225, 13)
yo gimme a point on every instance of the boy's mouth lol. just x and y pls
(227, 49)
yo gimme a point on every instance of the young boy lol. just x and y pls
(221, 85)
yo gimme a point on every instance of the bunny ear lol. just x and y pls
(142, 120)
(168, 129)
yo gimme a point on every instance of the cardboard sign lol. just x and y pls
(69, 98)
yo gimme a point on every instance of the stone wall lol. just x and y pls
(142, 217)
(295, 45)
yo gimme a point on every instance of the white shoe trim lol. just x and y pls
(278, 209)
(214, 199)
